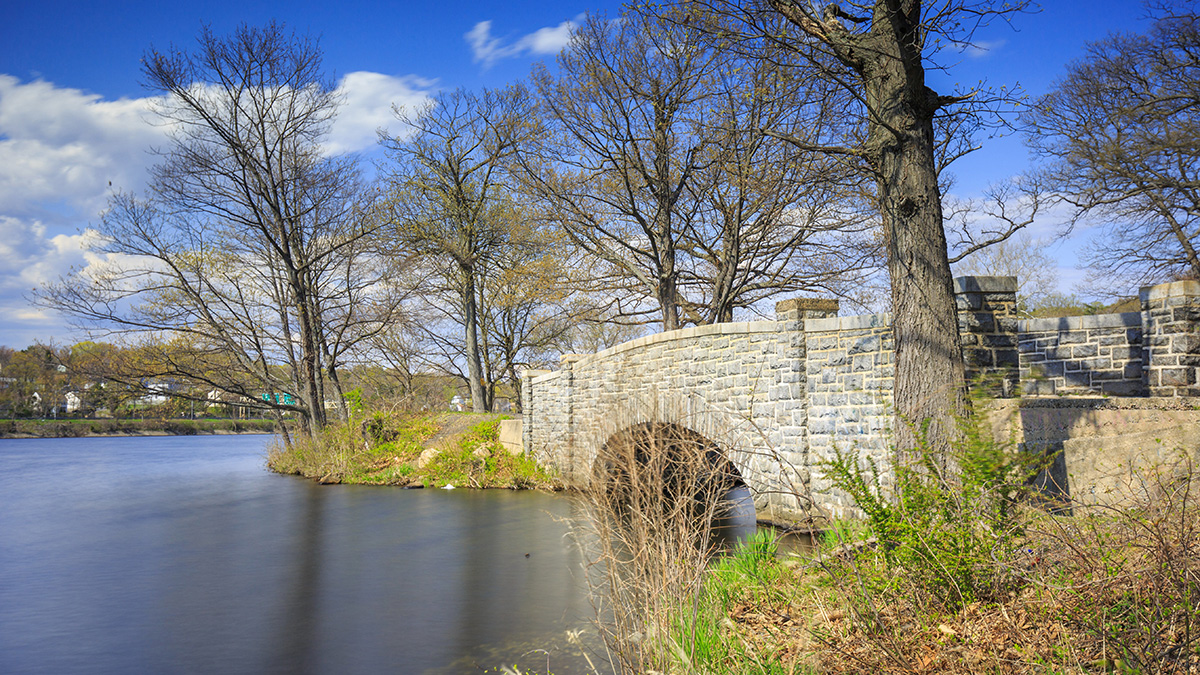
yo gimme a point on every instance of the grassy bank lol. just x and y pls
(130, 427)
(411, 450)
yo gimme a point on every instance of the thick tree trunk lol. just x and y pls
(929, 382)
(668, 300)
(929, 372)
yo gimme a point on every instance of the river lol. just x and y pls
(185, 555)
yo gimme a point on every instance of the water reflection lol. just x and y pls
(184, 556)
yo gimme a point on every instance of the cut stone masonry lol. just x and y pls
(779, 396)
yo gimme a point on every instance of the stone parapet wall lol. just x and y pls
(850, 367)
(1104, 447)
(1082, 355)
(779, 396)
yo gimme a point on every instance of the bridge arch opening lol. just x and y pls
(672, 480)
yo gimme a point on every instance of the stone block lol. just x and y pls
(977, 358)
(999, 341)
(1072, 337)
(1186, 343)
(1176, 377)
(1084, 351)
(1008, 324)
(1123, 388)
(976, 322)
(869, 343)
(1098, 363)
(1077, 379)
(1006, 358)
(968, 302)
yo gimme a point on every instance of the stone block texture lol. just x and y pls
(778, 397)
(1082, 355)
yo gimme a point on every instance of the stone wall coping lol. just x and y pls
(802, 304)
(535, 372)
(730, 328)
(543, 376)
(1068, 323)
(1190, 287)
(858, 322)
(985, 285)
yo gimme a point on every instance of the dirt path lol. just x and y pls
(451, 425)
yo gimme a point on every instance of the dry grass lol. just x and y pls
(657, 489)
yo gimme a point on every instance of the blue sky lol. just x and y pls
(72, 110)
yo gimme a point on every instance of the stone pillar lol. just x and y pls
(987, 324)
(527, 408)
(1171, 338)
(799, 309)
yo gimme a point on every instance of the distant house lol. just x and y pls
(159, 391)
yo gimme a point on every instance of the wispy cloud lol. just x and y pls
(487, 49)
(982, 48)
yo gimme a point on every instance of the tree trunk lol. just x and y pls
(471, 347)
(929, 372)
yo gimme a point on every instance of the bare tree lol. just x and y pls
(657, 164)
(878, 52)
(1120, 134)
(250, 261)
(449, 196)
(772, 218)
(626, 112)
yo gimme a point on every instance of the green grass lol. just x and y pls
(385, 449)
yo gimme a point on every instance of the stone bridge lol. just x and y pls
(777, 396)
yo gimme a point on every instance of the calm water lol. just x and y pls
(184, 555)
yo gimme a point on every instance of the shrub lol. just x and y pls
(950, 525)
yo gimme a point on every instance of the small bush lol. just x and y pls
(948, 527)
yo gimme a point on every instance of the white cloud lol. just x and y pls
(64, 146)
(367, 100)
(487, 49)
(63, 151)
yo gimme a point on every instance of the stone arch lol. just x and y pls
(682, 465)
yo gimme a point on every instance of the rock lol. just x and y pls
(427, 456)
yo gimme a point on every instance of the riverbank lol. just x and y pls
(413, 451)
(130, 427)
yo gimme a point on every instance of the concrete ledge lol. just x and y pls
(858, 322)
(1174, 289)
(1068, 323)
(511, 436)
(1103, 403)
(542, 378)
(985, 285)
